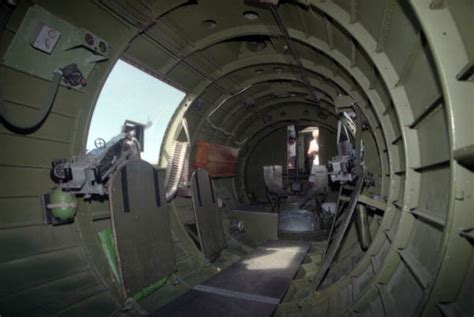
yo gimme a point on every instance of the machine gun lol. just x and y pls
(88, 174)
(342, 166)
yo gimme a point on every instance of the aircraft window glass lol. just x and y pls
(291, 147)
(131, 94)
(313, 147)
(311, 151)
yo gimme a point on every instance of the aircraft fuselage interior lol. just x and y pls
(236, 158)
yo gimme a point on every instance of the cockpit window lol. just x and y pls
(131, 94)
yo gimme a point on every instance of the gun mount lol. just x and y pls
(88, 174)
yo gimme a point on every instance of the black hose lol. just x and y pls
(35, 123)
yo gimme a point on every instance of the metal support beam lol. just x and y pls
(386, 24)
(353, 53)
(362, 224)
(293, 51)
(372, 202)
(428, 217)
(335, 243)
(420, 274)
(387, 300)
(414, 50)
(430, 109)
(354, 12)
(329, 33)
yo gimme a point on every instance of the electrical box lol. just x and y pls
(45, 43)
(46, 38)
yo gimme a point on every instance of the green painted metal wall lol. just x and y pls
(405, 62)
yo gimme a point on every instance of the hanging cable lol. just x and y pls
(32, 124)
(293, 51)
(72, 77)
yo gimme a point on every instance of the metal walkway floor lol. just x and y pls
(253, 286)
